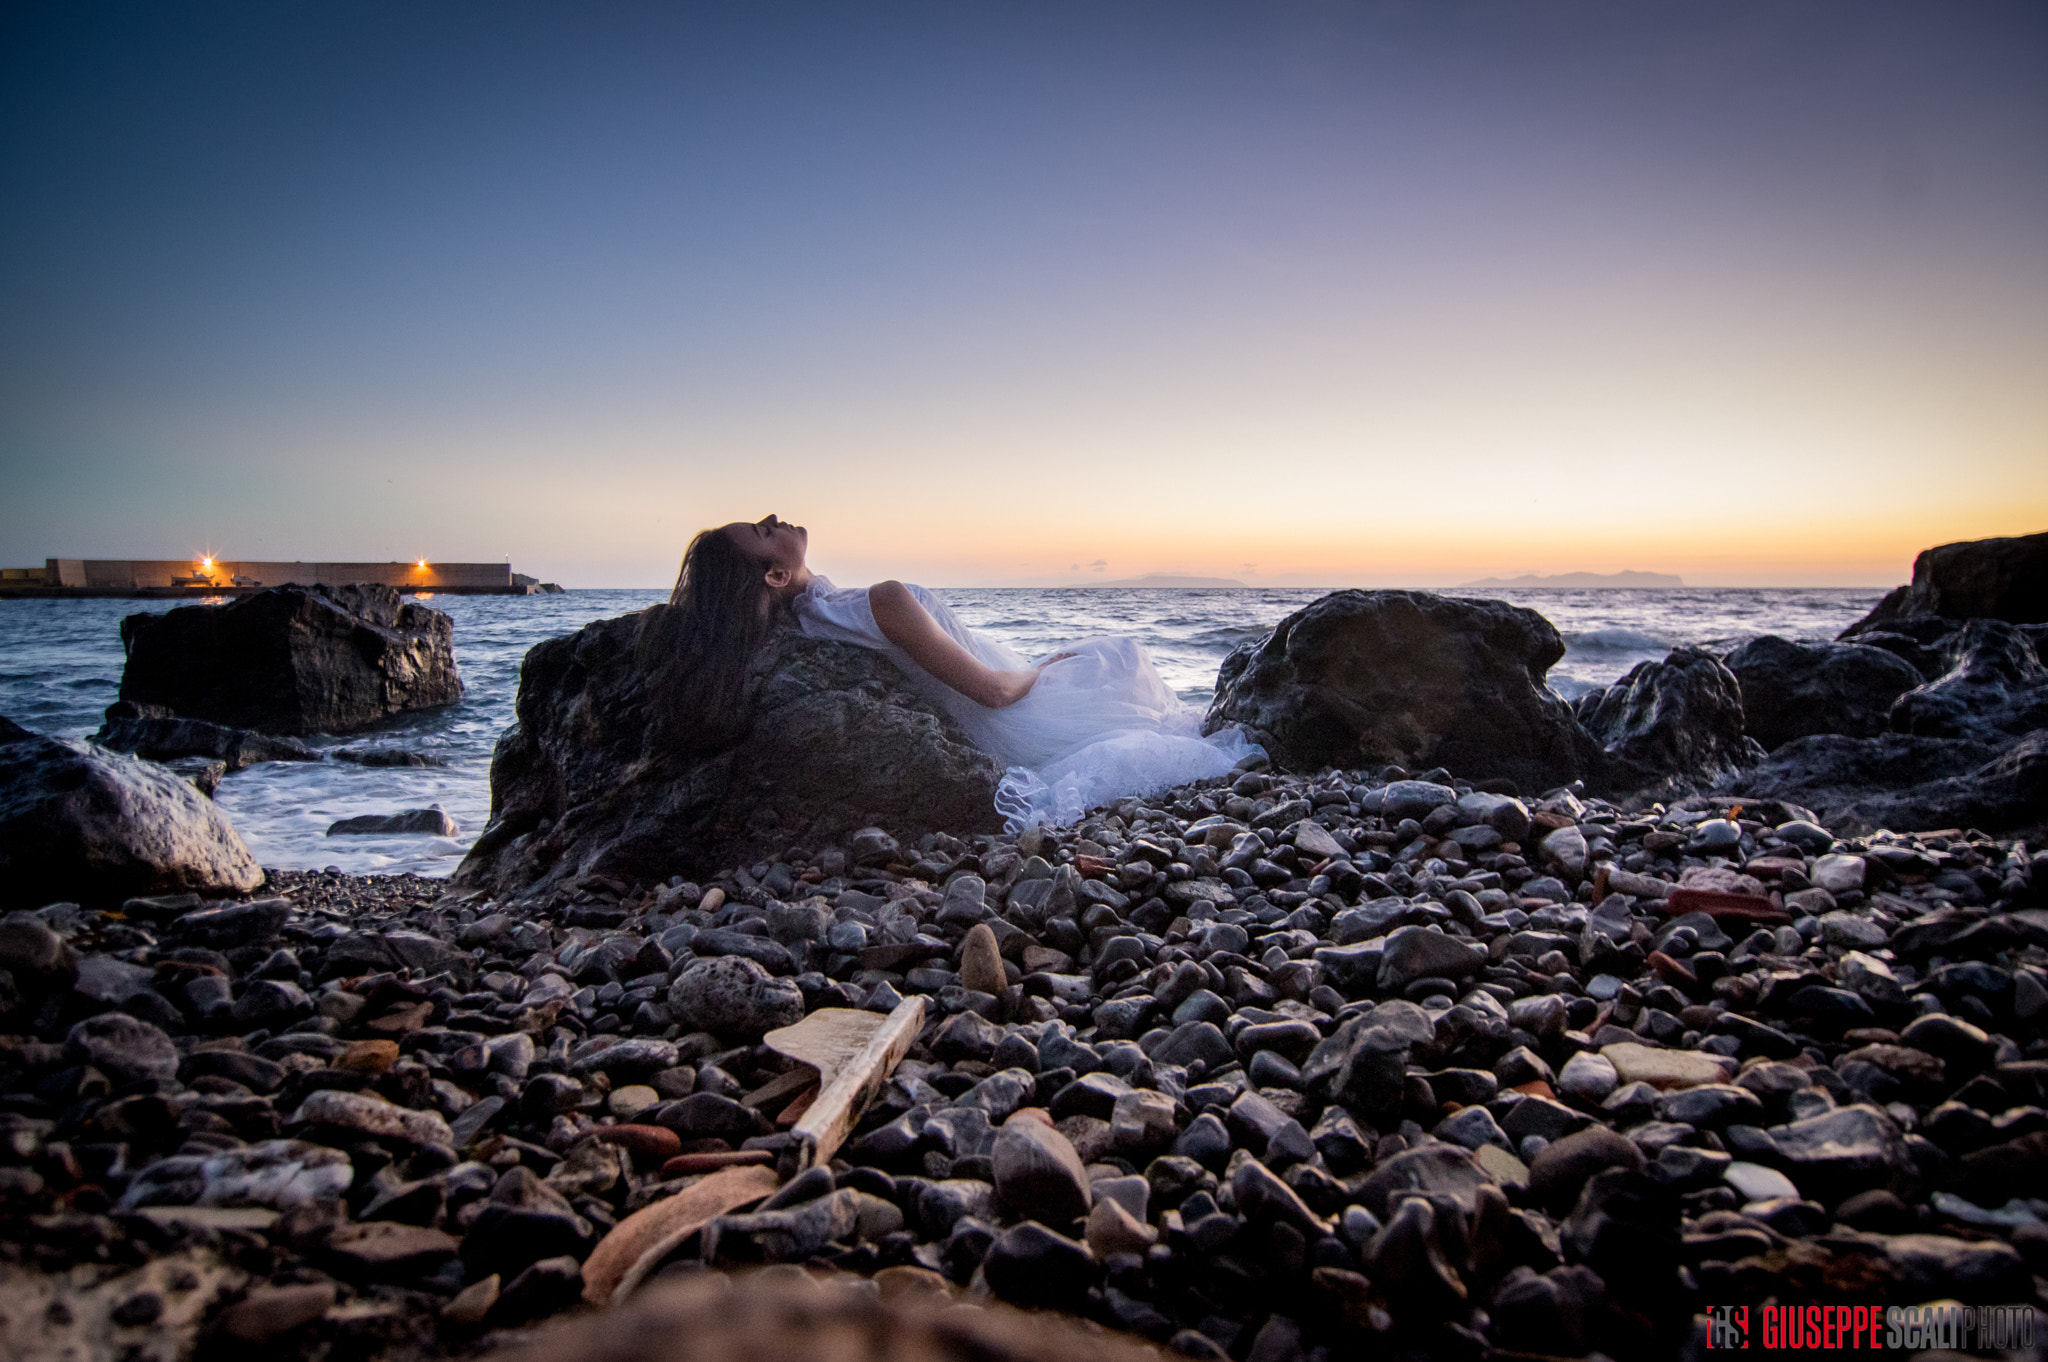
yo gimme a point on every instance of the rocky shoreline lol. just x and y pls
(1257, 1069)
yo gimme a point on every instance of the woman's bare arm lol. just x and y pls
(910, 627)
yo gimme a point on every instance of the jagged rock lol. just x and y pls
(1791, 690)
(1679, 720)
(1906, 782)
(595, 777)
(1364, 678)
(1996, 689)
(320, 659)
(96, 827)
(168, 739)
(2002, 579)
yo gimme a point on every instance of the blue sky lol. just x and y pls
(1301, 293)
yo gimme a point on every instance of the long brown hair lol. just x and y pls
(720, 613)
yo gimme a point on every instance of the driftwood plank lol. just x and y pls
(640, 1241)
(780, 1088)
(854, 1053)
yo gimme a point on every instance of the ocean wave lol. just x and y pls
(1614, 641)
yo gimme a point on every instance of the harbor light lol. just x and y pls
(207, 563)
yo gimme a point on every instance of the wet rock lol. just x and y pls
(293, 660)
(93, 827)
(428, 822)
(1792, 690)
(1371, 677)
(172, 739)
(1974, 579)
(626, 783)
(1680, 719)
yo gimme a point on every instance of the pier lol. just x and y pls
(200, 578)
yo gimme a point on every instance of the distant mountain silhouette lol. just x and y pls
(1167, 579)
(1578, 580)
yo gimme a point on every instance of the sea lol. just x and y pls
(60, 666)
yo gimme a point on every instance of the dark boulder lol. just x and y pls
(1921, 640)
(168, 739)
(1791, 690)
(1367, 678)
(1677, 722)
(320, 659)
(588, 781)
(428, 822)
(2000, 579)
(1905, 782)
(96, 827)
(1995, 689)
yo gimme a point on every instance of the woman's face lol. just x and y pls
(779, 546)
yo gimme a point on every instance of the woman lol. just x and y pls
(1078, 729)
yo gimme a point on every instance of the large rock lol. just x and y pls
(96, 827)
(1996, 688)
(1679, 720)
(1791, 690)
(168, 738)
(1905, 782)
(294, 659)
(2001, 579)
(598, 775)
(1365, 678)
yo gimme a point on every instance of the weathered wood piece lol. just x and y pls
(854, 1053)
(638, 1244)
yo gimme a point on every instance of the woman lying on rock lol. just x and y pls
(1082, 727)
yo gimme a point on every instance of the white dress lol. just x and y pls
(1096, 727)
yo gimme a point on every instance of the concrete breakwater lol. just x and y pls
(152, 577)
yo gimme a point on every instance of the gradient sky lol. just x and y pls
(1300, 293)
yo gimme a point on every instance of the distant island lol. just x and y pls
(1577, 580)
(1167, 579)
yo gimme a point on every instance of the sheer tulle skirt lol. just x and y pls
(1098, 726)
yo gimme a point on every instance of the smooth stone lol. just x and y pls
(1038, 1173)
(981, 961)
(1635, 1063)
(1755, 1182)
(1588, 1076)
(1565, 1165)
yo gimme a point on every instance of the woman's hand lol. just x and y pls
(1007, 688)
